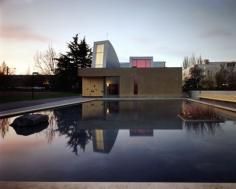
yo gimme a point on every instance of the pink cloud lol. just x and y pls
(21, 33)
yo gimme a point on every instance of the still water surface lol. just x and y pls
(143, 141)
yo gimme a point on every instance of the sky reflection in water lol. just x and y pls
(123, 141)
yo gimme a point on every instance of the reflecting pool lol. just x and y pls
(139, 141)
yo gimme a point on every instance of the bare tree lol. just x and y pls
(45, 62)
(4, 126)
(191, 61)
(5, 69)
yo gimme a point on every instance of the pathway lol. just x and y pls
(16, 108)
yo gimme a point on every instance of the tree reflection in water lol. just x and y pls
(68, 124)
(4, 126)
(202, 128)
(196, 111)
(200, 119)
(50, 133)
(64, 121)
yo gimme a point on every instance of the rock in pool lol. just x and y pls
(30, 120)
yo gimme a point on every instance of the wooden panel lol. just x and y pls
(93, 86)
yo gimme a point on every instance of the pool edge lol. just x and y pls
(115, 185)
(213, 105)
(62, 103)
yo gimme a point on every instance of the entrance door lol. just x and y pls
(112, 86)
(93, 86)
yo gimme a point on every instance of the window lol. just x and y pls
(141, 63)
(135, 86)
(99, 56)
(99, 140)
(99, 60)
(100, 48)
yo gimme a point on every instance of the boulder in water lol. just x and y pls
(25, 130)
(30, 120)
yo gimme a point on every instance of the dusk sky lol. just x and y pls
(168, 30)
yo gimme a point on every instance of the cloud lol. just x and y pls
(16, 1)
(222, 33)
(172, 51)
(154, 47)
(21, 33)
(10, 3)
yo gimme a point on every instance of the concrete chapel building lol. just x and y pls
(140, 77)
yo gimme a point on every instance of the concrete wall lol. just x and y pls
(161, 82)
(196, 94)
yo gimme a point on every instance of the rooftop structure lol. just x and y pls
(104, 56)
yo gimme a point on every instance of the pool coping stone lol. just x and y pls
(213, 104)
(114, 185)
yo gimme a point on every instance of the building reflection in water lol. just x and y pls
(141, 132)
(200, 119)
(104, 139)
(93, 110)
(98, 122)
(99, 110)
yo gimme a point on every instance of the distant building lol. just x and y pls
(141, 76)
(209, 68)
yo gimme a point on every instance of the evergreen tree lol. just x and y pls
(79, 56)
(74, 52)
(85, 54)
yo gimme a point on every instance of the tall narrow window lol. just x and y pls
(99, 56)
(99, 139)
(135, 86)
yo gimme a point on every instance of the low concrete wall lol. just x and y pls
(194, 94)
(17, 81)
(197, 94)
